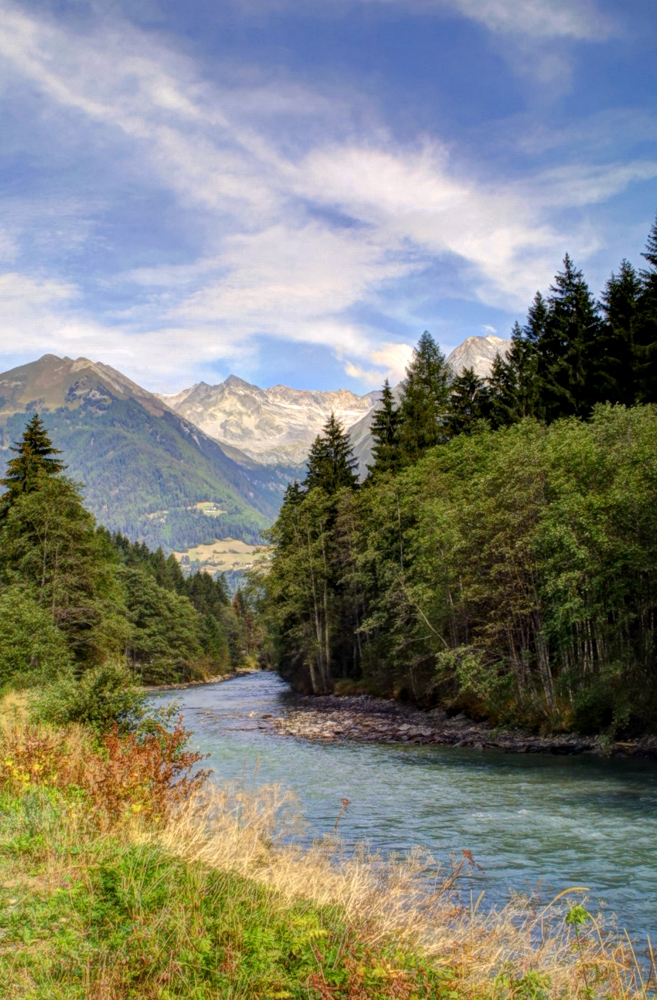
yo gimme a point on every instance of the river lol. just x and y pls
(529, 820)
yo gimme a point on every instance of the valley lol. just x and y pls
(192, 471)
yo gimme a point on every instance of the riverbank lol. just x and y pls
(366, 719)
(118, 881)
(183, 686)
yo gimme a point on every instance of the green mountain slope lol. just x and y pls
(146, 470)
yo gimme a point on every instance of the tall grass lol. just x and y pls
(169, 886)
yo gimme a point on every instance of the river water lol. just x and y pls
(529, 820)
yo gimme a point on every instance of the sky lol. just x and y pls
(293, 190)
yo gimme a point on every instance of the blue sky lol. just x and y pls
(293, 190)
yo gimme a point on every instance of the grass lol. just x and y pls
(123, 876)
(99, 916)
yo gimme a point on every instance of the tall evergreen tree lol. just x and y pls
(646, 335)
(34, 461)
(569, 347)
(513, 385)
(385, 432)
(331, 463)
(619, 362)
(425, 398)
(468, 402)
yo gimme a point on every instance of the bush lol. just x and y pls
(32, 648)
(103, 697)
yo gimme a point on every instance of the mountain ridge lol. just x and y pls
(147, 469)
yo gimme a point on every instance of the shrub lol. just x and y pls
(102, 698)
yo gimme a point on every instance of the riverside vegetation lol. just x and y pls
(500, 557)
(78, 604)
(124, 875)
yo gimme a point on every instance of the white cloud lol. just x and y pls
(296, 241)
(391, 361)
(577, 19)
(489, 329)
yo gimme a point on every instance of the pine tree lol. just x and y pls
(620, 363)
(650, 253)
(468, 402)
(646, 333)
(33, 462)
(385, 432)
(331, 463)
(424, 402)
(569, 347)
(513, 384)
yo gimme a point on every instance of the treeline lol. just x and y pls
(501, 555)
(73, 596)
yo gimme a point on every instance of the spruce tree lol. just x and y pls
(385, 432)
(34, 461)
(468, 402)
(424, 402)
(331, 463)
(620, 362)
(513, 385)
(646, 331)
(569, 347)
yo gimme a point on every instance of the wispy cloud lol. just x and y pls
(302, 220)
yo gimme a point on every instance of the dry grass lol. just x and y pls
(13, 710)
(527, 950)
(150, 787)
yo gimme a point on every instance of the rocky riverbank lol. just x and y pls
(367, 719)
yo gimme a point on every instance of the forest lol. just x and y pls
(79, 602)
(500, 558)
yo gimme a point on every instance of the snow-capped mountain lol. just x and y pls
(272, 426)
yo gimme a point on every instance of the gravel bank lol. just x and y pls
(367, 719)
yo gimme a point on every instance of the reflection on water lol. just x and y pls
(528, 819)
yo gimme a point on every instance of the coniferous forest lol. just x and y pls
(501, 555)
(75, 598)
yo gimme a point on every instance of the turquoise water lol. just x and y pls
(529, 820)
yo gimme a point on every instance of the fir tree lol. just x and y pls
(331, 463)
(468, 402)
(513, 385)
(646, 334)
(385, 432)
(424, 402)
(569, 347)
(34, 460)
(620, 362)
(650, 253)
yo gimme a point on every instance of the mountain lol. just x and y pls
(147, 470)
(272, 426)
(478, 353)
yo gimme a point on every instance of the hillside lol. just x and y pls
(148, 472)
(271, 426)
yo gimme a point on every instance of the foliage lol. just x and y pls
(32, 649)
(149, 773)
(74, 593)
(511, 573)
(102, 697)
(49, 544)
